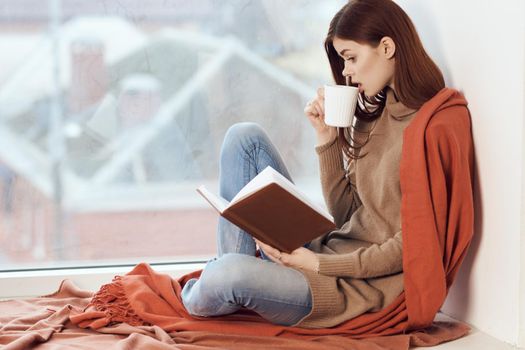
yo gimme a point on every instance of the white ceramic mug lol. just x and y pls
(340, 102)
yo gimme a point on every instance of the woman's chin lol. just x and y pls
(369, 93)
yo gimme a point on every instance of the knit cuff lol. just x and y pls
(336, 265)
(330, 156)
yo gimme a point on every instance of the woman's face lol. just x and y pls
(371, 68)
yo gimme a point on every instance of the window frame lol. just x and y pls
(42, 282)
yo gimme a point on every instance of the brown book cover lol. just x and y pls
(273, 210)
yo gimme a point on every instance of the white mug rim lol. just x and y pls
(340, 86)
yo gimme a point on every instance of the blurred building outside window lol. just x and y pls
(112, 113)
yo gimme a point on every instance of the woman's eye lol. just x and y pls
(351, 59)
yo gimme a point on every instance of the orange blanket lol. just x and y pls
(43, 323)
(436, 173)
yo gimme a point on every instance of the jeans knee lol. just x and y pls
(227, 274)
(189, 301)
(215, 291)
(242, 135)
(244, 130)
(202, 297)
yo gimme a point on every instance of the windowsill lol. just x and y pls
(24, 284)
(476, 339)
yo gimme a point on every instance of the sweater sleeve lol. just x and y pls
(367, 262)
(338, 187)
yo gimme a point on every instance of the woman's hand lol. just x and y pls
(314, 110)
(301, 257)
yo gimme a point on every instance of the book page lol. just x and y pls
(270, 175)
(262, 179)
(219, 203)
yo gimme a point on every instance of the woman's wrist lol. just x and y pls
(326, 136)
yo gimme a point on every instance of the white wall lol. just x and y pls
(479, 45)
(521, 339)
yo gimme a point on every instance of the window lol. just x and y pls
(113, 112)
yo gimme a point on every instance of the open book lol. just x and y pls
(273, 210)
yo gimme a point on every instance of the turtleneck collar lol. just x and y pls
(396, 108)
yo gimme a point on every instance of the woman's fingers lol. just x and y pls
(285, 259)
(314, 109)
(309, 109)
(270, 252)
(275, 255)
(274, 259)
(318, 108)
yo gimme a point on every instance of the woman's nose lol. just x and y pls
(346, 71)
(347, 77)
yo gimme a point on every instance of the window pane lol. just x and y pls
(113, 112)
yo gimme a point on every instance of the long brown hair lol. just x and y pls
(417, 78)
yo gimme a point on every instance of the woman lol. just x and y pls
(358, 268)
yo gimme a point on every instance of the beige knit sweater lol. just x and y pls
(361, 263)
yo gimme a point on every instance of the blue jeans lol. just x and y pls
(236, 278)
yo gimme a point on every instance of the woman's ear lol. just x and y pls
(387, 47)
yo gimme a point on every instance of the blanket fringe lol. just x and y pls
(111, 299)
